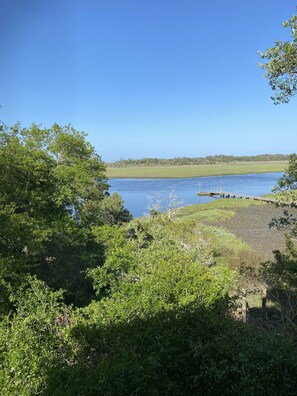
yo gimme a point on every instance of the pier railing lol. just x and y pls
(224, 194)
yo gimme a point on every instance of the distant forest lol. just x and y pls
(210, 159)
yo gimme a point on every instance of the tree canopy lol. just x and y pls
(281, 65)
(281, 274)
(53, 190)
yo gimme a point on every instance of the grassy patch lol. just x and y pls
(237, 234)
(211, 215)
(226, 246)
(224, 242)
(217, 210)
(184, 171)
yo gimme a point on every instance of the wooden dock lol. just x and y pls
(224, 194)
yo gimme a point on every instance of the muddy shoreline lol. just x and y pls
(251, 224)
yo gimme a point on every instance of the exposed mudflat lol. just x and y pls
(251, 224)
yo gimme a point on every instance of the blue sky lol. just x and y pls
(147, 78)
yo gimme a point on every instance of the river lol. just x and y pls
(139, 194)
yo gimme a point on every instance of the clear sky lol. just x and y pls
(147, 78)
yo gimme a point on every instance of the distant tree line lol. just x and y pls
(210, 159)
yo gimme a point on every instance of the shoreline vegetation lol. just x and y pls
(204, 169)
(176, 302)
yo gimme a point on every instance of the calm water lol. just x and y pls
(138, 193)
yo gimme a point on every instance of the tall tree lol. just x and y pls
(280, 275)
(52, 192)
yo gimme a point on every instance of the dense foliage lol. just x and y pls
(286, 191)
(53, 190)
(281, 65)
(160, 326)
(145, 306)
(280, 275)
(210, 159)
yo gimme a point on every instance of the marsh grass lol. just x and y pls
(211, 215)
(225, 245)
(228, 248)
(245, 258)
(238, 235)
(184, 171)
(217, 210)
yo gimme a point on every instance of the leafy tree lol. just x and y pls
(281, 65)
(280, 275)
(286, 191)
(163, 264)
(112, 210)
(280, 278)
(52, 193)
(159, 327)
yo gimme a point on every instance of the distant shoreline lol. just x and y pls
(189, 171)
